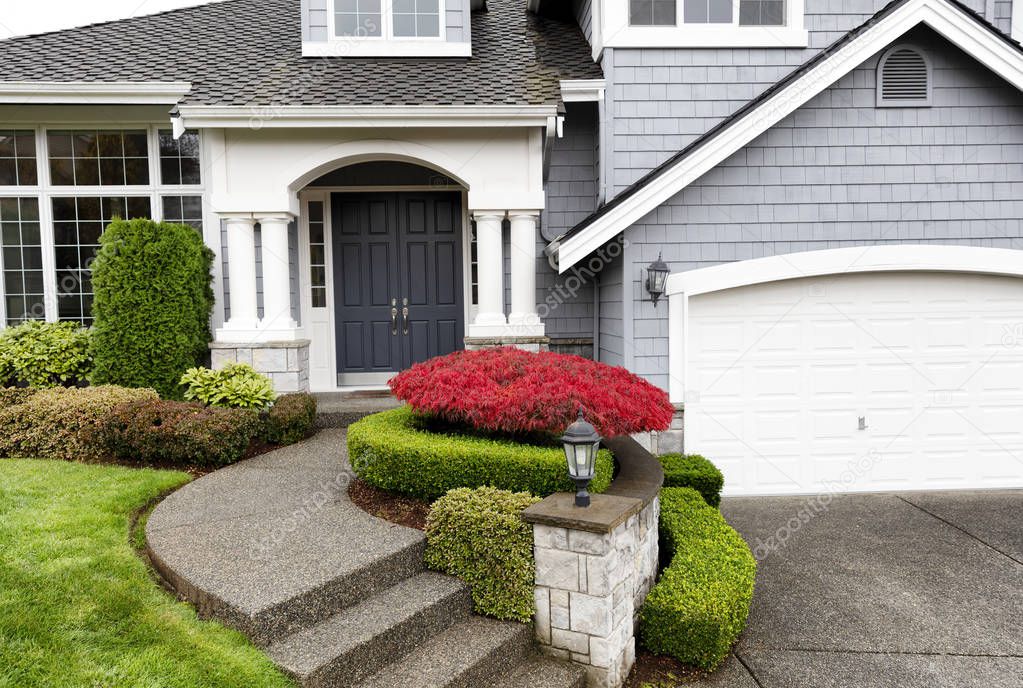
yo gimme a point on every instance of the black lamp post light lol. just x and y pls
(656, 277)
(581, 446)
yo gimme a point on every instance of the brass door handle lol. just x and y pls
(404, 315)
(394, 317)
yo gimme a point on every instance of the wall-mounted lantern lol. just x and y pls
(656, 277)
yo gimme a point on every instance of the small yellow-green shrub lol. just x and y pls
(693, 470)
(479, 536)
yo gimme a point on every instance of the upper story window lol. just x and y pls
(387, 18)
(702, 24)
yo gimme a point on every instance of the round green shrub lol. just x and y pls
(234, 386)
(290, 419)
(695, 471)
(394, 451)
(43, 355)
(479, 536)
(699, 607)
(152, 306)
(58, 423)
(176, 433)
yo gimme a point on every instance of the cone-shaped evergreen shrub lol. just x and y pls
(152, 306)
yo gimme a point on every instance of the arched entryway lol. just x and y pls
(390, 270)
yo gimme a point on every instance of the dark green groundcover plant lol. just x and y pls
(153, 300)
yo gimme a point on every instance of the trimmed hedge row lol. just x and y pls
(699, 607)
(175, 432)
(55, 423)
(290, 419)
(479, 536)
(693, 470)
(393, 451)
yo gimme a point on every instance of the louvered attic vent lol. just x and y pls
(903, 78)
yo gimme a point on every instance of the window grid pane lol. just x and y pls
(416, 18)
(317, 254)
(652, 12)
(18, 165)
(99, 158)
(22, 259)
(761, 12)
(357, 18)
(78, 223)
(183, 210)
(708, 11)
(179, 159)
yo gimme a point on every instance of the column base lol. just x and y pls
(286, 363)
(531, 344)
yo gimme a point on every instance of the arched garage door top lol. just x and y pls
(860, 259)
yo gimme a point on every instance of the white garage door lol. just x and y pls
(864, 382)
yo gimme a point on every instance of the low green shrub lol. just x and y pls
(479, 536)
(43, 355)
(290, 419)
(235, 386)
(693, 470)
(57, 423)
(11, 396)
(394, 451)
(699, 607)
(175, 433)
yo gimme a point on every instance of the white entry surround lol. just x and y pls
(863, 369)
(496, 157)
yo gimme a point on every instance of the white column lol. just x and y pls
(241, 274)
(524, 320)
(490, 320)
(277, 323)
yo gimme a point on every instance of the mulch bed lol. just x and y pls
(653, 671)
(405, 511)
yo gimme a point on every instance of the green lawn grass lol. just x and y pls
(78, 607)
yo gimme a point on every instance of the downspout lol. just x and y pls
(596, 317)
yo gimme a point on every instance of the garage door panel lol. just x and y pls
(779, 375)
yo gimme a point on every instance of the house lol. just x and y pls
(835, 186)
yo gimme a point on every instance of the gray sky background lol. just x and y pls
(21, 17)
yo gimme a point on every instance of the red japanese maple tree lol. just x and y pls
(512, 391)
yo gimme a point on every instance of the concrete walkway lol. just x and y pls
(920, 590)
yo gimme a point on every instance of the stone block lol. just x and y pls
(591, 615)
(549, 537)
(570, 640)
(588, 543)
(270, 360)
(557, 569)
(670, 442)
(244, 356)
(286, 382)
(598, 576)
(221, 358)
(600, 652)
(542, 623)
(560, 616)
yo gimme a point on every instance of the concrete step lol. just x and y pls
(341, 409)
(543, 672)
(363, 639)
(475, 653)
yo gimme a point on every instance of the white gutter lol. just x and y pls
(300, 116)
(93, 92)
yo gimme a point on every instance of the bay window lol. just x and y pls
(387, 18)
(703, 24)
(52, 215)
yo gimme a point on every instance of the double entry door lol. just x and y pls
(398, 284)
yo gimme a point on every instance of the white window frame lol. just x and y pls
(46, 192)
(618, 33)
(386, 44)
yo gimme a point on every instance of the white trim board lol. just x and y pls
(832, 262)
(947, 19)
(94, 93)
(270, 116)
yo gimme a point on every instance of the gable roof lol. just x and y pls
(248, 53)
(956, 22)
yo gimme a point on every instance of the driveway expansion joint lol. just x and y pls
(960, 529)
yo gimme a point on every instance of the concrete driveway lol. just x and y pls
(909, 590)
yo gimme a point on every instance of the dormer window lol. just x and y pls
(387, 28)
(703, 24)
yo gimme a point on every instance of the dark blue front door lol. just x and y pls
(398, 281)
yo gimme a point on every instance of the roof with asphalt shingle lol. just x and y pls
(249, 53)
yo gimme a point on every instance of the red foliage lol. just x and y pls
(515, 392)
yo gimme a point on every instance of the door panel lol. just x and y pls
(394, 247)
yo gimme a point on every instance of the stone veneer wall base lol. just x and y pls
(285, 363)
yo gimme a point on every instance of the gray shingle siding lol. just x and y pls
(611, 285)
(840, 172)
(457, 19)
(661, 100)
(315, 20)
(583, 10)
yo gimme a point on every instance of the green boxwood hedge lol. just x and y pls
(693, 470)
(699, 607)
(393, 451)
(479, 536)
